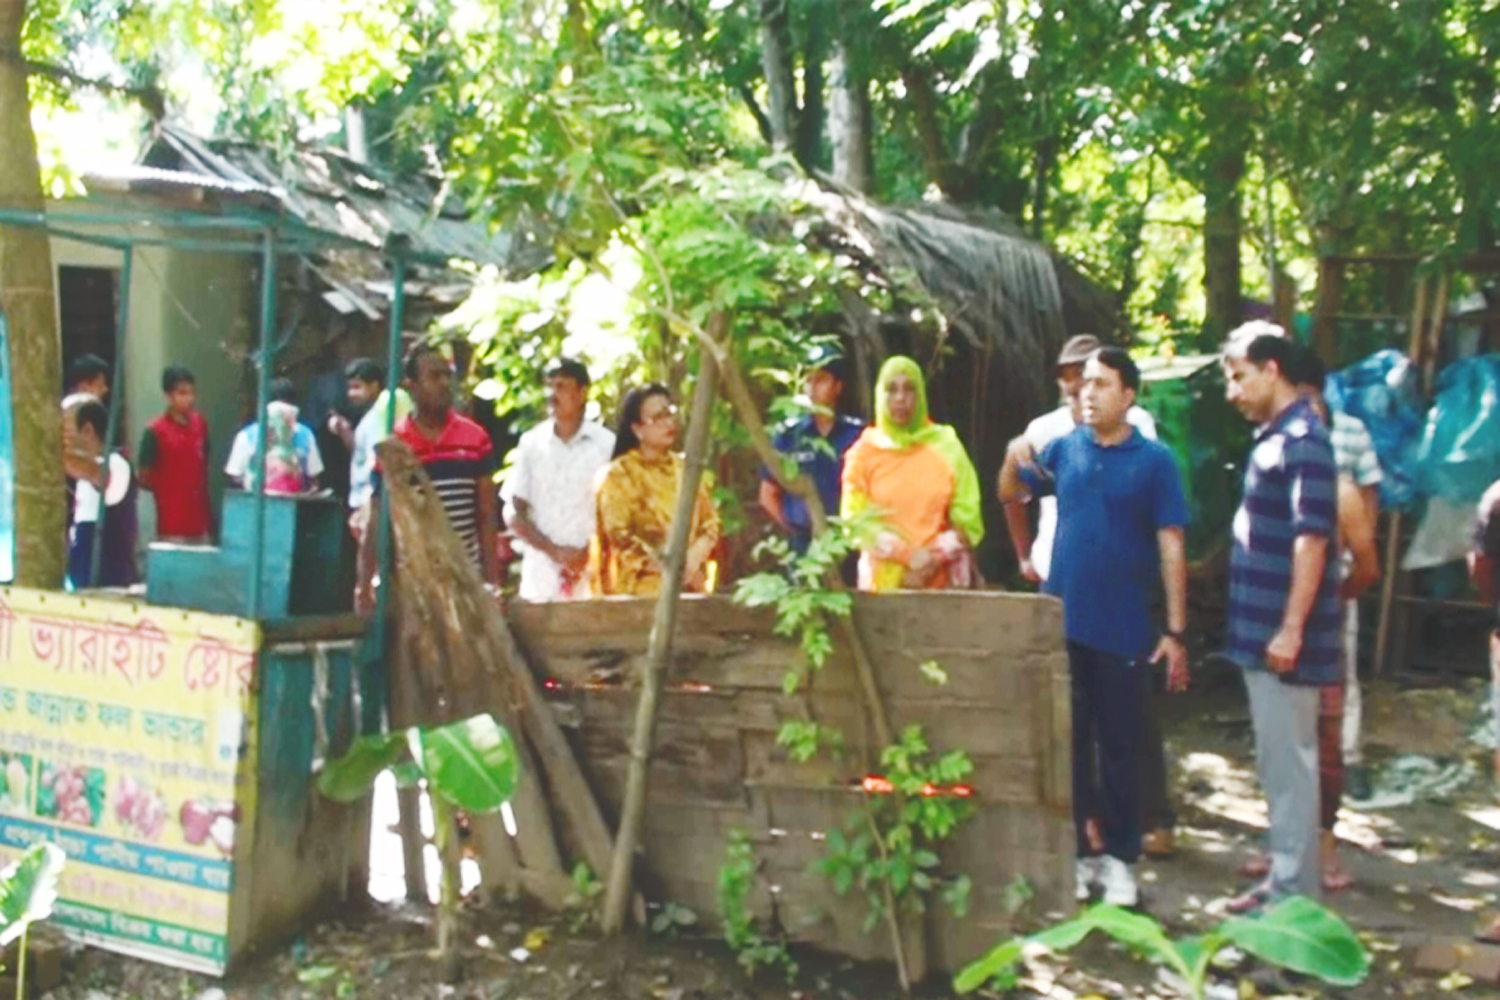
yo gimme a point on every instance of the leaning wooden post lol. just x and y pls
(745, 408)
(633, 811)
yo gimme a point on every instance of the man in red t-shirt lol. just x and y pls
(460, 461)
(174, 463)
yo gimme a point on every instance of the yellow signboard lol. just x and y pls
(127, 738)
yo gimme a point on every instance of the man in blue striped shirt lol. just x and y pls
(1283, 600)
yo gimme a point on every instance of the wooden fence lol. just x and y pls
(717, 765)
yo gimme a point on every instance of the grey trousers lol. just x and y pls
(1285, 717)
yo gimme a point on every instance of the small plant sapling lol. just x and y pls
(1296, 934)
(736, 880)
(470, 765)
(28, 888)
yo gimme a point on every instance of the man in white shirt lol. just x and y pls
(1035, 556)
(549, 492)
(368, 393)
(1035, 559)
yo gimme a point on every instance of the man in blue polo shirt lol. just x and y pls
(1120, 515)
(1283, 601)
(817, 443)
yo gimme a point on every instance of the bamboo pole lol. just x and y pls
(1415, 342)
(1429, 316)
(1434, 341)
(633, 811)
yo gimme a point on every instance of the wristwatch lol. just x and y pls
(1169, 634)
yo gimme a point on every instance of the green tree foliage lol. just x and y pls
(1149, 139)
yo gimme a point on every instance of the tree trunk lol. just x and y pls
(35, 355)
(1221, 241)
(1134, 229)
(849, 117)
(811, 118)
(1046, 158)
(923, 101)
(776, 59)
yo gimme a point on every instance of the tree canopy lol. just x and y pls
(1116, 131)
(1172, 149)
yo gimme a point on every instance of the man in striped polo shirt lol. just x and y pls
(1283, 601)
(459, 459)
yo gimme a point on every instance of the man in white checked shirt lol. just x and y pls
(549, 493)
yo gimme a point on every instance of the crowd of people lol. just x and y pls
(590, 510)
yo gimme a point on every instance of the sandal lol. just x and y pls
(1250, 902)
(1257, 866)
(1337, 879)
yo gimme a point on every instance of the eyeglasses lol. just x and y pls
(662, 416)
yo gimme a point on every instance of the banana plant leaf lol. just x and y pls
(473, 764)
(28, 888)
(1142, 934)
(1297, 934)
(350, 777)
(1303, 936)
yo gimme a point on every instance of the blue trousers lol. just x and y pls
(1109, 724)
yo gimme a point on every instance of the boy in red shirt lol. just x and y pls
(174, 463)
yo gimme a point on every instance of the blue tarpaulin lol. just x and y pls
(1383, 391)
(1460, 452)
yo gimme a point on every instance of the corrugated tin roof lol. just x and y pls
(137, 177)
(328, 191)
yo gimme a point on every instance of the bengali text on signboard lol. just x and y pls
(126, 738)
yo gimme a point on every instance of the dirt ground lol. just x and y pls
(1423, 869)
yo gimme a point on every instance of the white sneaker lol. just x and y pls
(1119, 883)
(1086, 874)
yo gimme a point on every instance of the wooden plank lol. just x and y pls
(992, 844)
(1054, 744)
(689, 770)
(315, 628)
(766, 763)
(1001, 719)
(981, 622)
(965, 640)
(717, 766)
(811, 913)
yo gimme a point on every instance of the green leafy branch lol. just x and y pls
(889, 850)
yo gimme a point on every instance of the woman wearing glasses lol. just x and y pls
(637, 493)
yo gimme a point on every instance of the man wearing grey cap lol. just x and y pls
(1035, 556)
